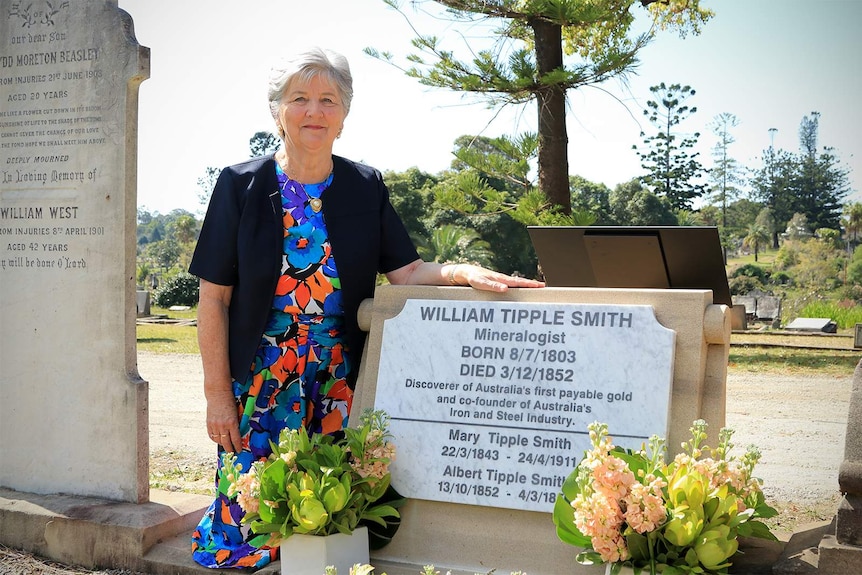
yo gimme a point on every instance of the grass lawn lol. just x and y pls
(169, 337)
(764, 259)
(792, 361)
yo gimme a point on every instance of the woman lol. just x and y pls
(290, 246)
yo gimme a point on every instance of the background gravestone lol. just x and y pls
(74, 410)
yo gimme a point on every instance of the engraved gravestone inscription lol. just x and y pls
(69, 75)
(490, 401)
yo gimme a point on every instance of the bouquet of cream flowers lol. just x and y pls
(631, 508)
(317, 485)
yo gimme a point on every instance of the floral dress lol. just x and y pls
(298, 377)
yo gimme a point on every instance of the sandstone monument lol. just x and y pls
(460, 372)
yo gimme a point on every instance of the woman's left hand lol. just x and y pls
(426, 273)
(484, 279)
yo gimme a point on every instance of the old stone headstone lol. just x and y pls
(74, 417)
(768, 307)
(746, 302)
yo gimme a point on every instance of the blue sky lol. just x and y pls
(769, 62)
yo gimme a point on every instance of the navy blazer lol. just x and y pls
(240, 245)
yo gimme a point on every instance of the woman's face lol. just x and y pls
(311, 114)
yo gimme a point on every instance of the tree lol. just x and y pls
(757, 236)
(820, 184)
(725, 174)
(670, 165)
(166, 253)
(852, 223)
(512, 249)
(798, 228)
(709, 216)
(263, 143)
(410, 194)
(452, 243)
(529, 62)
(415, 195)
(492, 177)
(144, 216)
(591, 198)
(766, 220)
(772, 186)
(151, 227)
(818, 265)
(185, 229)
(811, 183)
(741, 214)
(854, 269)
(634, 205)
(504, 159)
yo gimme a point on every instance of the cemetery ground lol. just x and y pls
(787, 394)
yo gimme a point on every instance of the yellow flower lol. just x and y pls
(336, 493)
(685, 526)
(310, 514)
(688, 487)
(715, 546)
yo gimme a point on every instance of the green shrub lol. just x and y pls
(851, 293)
(182, 289)
(787, 256)
(781, 279)
(741, 285)
(752, 271)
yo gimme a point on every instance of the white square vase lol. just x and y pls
(312, 554)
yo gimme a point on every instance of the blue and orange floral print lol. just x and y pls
(298, 377)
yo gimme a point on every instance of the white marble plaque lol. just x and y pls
(490, 401)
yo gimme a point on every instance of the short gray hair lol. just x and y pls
(306, 65)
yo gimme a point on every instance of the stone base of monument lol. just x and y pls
(800, 554)
(100, 533)
(173, 557)
(837, 558)
(840, 550)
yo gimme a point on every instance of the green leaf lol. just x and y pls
(589, 557)
(570, 487)
(264, 527)
(756, 529)
(638, 546)
(381, 511)
(564, 519)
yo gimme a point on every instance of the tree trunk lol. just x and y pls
(553, 139)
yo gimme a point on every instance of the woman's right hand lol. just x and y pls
(213, 326)
(222, 420)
